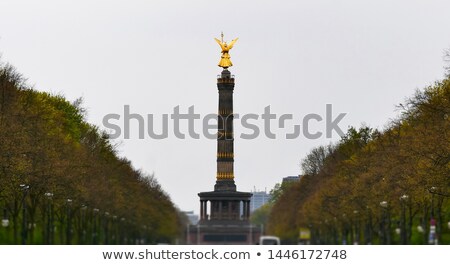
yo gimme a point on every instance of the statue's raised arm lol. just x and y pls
(219, 42)
(232, 43)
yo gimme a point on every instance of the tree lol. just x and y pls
(77, 182)
(314, 161)
(372, 182)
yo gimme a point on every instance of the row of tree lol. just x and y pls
(377, 187)
(62, 181)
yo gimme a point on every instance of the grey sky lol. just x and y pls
(364, 57)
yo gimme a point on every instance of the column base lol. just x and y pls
(225, 185)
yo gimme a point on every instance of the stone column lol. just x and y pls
(247, 209)
(202, 217)
(203, 210)
(225, 136)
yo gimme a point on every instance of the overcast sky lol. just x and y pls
(363, 57)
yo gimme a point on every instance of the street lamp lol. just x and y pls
(114, 230)
(404, 199)
(69, 222)
(384, 204)
(94, 230)
(143, 235)
(368, 226)
(106, 230)
(432, 238)
(82, 233)
(357, 229)
(420, 229)
(5, 220)
(123, 238)
(432, 191)
(49, 229)
(24, 213)
(344, 229)
(386, 223)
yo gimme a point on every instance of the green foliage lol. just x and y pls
(275, 193)
(339, 199)
(278, 191)
(260, 216)
(98, 197)
(316, 159)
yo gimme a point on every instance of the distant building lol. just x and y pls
(258, 199)
(290, 179)
(193, 218)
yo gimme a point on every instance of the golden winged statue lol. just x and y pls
(225, 61)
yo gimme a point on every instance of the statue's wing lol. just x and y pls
(219, 42)
(232, 43)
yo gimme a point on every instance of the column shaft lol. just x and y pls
(201, 211)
